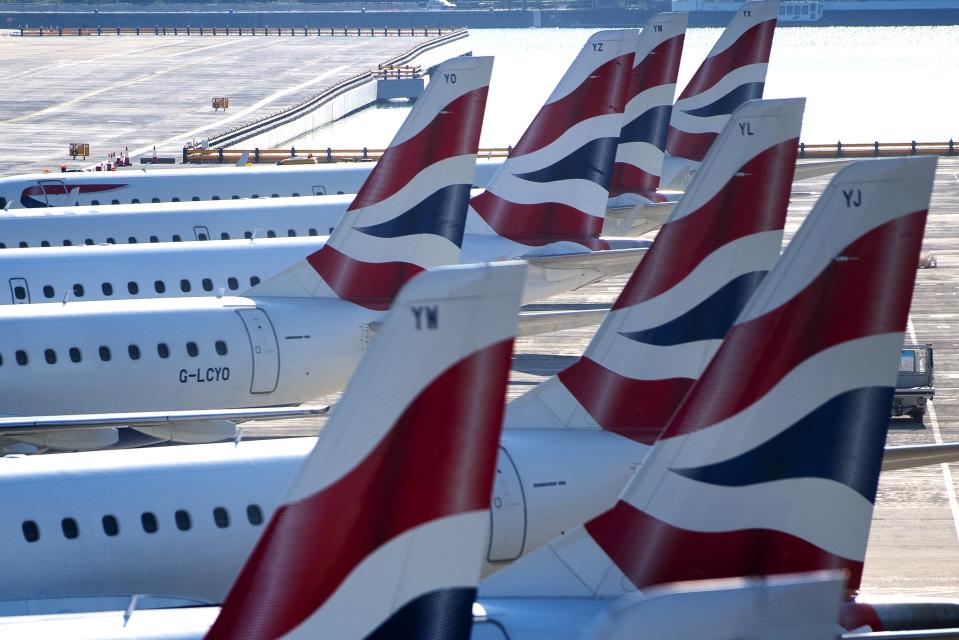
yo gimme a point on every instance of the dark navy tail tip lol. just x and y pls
(444, 614)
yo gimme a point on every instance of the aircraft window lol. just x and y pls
(88, 241)
(185, 286)
(174, 199)
(192, 349)
(159, 286)
(111, 241)
(224, 236)
(104, 353)
(78, 290)
(94, 202)
(232, 283)
(114, 202)
(207, 284)
(201, 237)
(235, 198)
(1, 360)
(195, 199)
(3, 203)
(70, 528)
(291, 233)
(220, 347)
(133, 288)
(154, 199)
(19, 292)
(221, 517)
(44, 243)
(182, 520)
(247, 234)
(50, 356)
(149, 522)
(339, 193)
(215, 198)
(67, 243)
(254, 281)
(23, 245)
(48, 291)
(254, 196)
(22, 359)
(107, 289)
(176, 237)
(271, 233)
(31, 531)
(254, 514)
(275, 195)
(132, 240)
(135, 201)
(110, 525)
(312, 231)
(75, 355)
(154, 239)
(134, 352)
(295, 195)
(3, 245)
(162, 350)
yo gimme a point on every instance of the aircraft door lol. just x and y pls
(319, 190)
(266, 352)
(201, 233)
(19, 291)
(507, 512)
(54, 192)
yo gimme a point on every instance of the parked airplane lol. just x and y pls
(408, 437)
(293, 338)
(733, 72)
(556, 471)
(731, 487)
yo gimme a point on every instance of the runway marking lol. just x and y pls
(937, 435)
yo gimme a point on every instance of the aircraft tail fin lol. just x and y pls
(733, 72)
(713, 251)
(771, 463)
(652, 88)
(555, 184)
(383, 531)
(410, 213)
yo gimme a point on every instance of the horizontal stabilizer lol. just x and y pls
(909, 456)
(534, 323)
(637, 220)
(32, 424)
(806, 170)
(610, 263)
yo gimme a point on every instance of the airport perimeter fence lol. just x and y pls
(328, 155)
(385, 32)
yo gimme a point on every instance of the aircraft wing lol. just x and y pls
(35, 424)
(637, 220)
(918, 455)
(612, 262)
(534, 323)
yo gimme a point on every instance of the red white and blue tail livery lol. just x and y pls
(555, 184)
(652, 87)
(383, 532)
(410, 214)
(734, 72)
(708, 259)
(771, 463)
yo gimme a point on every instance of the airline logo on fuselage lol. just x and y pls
(39, 194)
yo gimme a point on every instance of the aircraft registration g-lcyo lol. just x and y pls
(404, 469)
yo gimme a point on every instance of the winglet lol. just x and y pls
(383, 531)
(410, 214)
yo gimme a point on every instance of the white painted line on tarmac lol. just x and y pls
(937, 435)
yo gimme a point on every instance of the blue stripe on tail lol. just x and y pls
(593, 161)
(728, 103)
(441, 214)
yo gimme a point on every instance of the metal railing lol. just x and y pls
(877, 149)
(386, 32)
(405, 72)
(322, 156)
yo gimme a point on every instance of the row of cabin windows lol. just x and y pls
(176, 237)
(133, 287)
(133, 351)
(148, 521)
